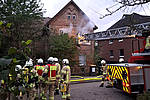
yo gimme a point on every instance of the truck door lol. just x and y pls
(147, 79)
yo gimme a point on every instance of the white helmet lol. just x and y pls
(40, 60)
(65, 61)
(29, 63)
(55, 59)
(50, 59)
(18, 67)
(103, 62)
(121, 60)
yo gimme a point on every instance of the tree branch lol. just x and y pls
(125, 3)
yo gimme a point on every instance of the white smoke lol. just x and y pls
(85, 26)
(67, 29)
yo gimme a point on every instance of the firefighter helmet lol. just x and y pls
(65, 61)
(103, 62)
(55, 59)
(18, 67)
(40, 60)
(50, 59)
(121, 60)
(29, 63)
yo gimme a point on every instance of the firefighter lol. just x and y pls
(40, 67)
(50, 69)
(104, 69)
(65, 77)
(57, 75)
(19, 83)
(147, 46)
(30, 77)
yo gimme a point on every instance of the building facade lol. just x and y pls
(112, 49)
(73, 21)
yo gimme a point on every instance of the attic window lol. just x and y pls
(69, 17)
(74, 17)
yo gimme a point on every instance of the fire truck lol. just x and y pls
(131, 77)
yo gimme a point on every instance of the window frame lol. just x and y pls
(111, 41)
(82, 58)
(111, 53)
(69, 17)
(121, 52)
(74, 17)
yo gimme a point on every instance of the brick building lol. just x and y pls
(73, 21)
(112, 49)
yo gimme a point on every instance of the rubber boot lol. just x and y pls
(56, 92)
(101, 85)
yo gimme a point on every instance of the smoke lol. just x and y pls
(85, 26)
(67, 29)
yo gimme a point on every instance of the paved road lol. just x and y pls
(91, 91)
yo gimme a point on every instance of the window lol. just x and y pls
(74, 17)
(61, 31)
(121, 52)
(82, 60)
(96, 43)
(111, 54)
(120, 40)
(69, 17)
(110, 41)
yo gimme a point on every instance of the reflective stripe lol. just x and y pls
(117, 72)
(63, 72)
(68, 95)
(58, 76)
(57, 88)
(51, 98)
(10, 76)
(147, 46)
(64, 96)
(53, 67)
(2, 81)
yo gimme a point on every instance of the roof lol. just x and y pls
(73, 3)
(46, 19)
(130, 19)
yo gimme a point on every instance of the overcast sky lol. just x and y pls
(94, 10)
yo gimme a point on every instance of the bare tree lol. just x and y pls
(123, 4)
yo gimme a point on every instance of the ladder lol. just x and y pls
(122, 32)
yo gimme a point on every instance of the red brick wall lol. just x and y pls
(104, 48)
(79, 25)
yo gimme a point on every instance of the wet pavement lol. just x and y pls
(92, 91)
